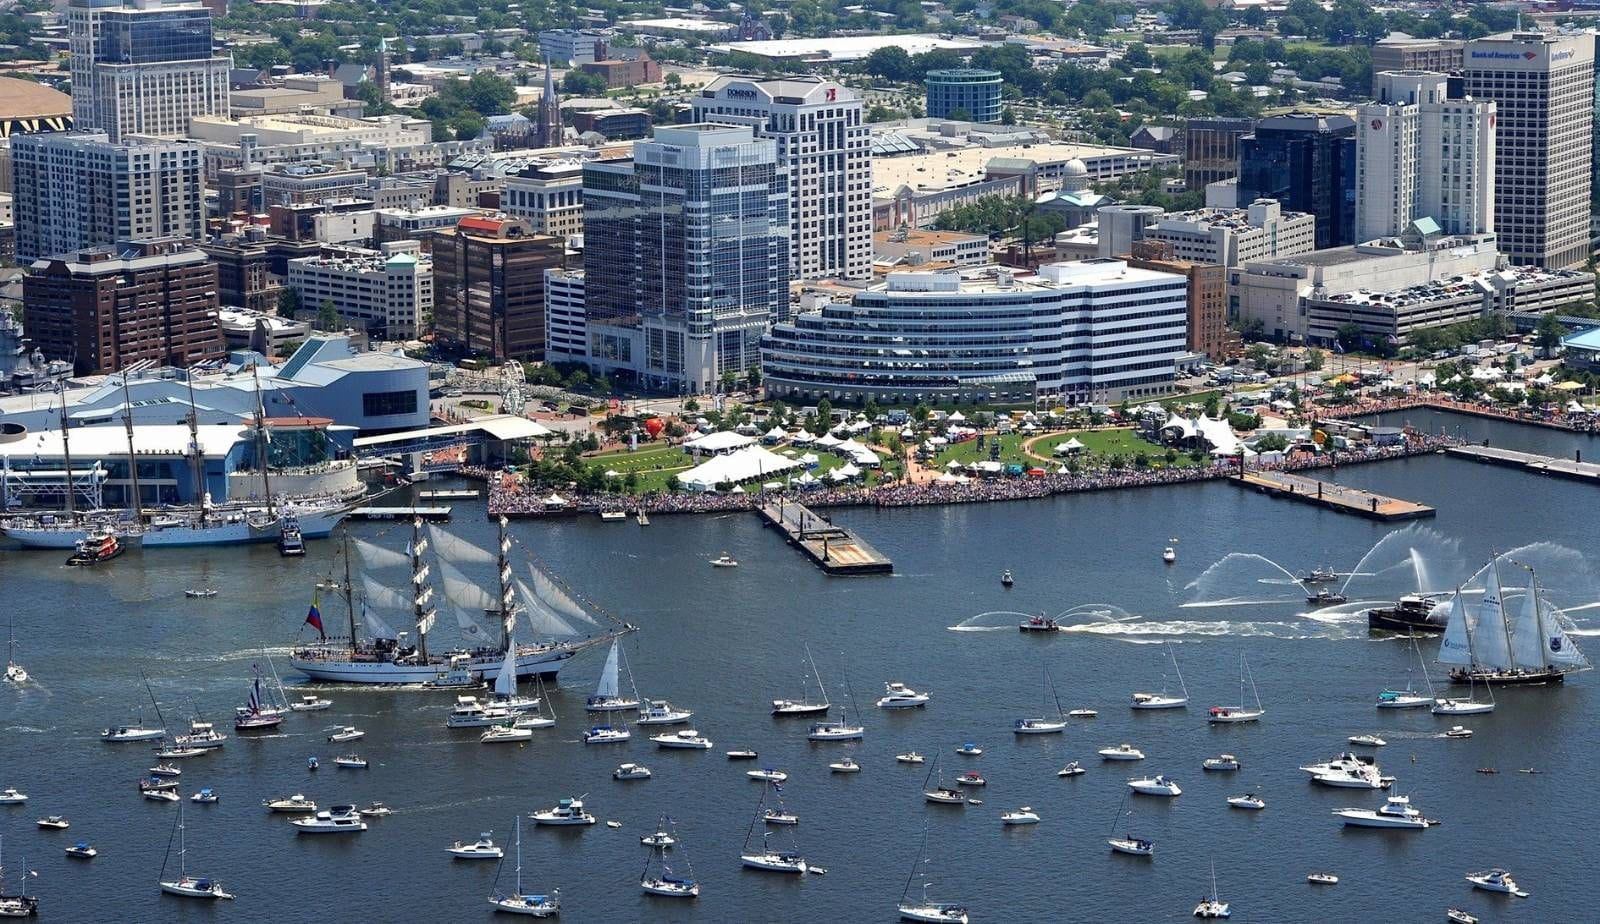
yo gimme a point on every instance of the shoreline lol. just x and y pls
(1564, 422)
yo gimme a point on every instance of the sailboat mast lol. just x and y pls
(508, 599)
(196, 457)
(133, 462)
(1181, 685)
(66, 458)
(913, 874)
(1505, 625)
(261, 436)
(155, 702)
(349, 589)
(422, 591)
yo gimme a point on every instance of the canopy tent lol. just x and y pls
(809, 459)
(952, 464)
(613, 473)
(1071, 446)
(717, 442)
(858, 453)
(774, 435)
(747, 464)
(1218, 435)
(1569, 386)
(802, 439)
(747, 429)
(1183, 429)
(828, 441)
(956, 417)
(555, 500)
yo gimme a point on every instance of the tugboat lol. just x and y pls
(290, 543)
(1325, 597)
(1319, 576)
(1006, 580)
(1412, 613)
(101, 545)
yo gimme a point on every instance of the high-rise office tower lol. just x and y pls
(1421, 154)
(826, 149)
(1543, 88)
(144, 67)
(687, 244)
(75, 191)
(488, 287)
(1307, 162)
(1211, 150)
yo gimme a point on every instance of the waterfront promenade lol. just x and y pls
(1579, 423)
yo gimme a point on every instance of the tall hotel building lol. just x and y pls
(1543, 89)
(826, 148)
(1421, 154)
(143, 67)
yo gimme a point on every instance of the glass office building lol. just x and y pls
(973, 91)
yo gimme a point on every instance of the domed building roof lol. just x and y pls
(1076, 167)
(1075, 176)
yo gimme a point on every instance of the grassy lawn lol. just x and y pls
(659, 466)
(1104, 443)
(968, 452)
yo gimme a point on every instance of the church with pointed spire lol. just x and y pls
(547, 133)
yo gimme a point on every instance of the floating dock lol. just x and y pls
(455, 494)
(834, 549)
(1341, 498)
(400, 513)
(1543, 465)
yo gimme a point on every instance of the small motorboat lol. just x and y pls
(297, 804)
(1325, 597)
(375, 810)
(897, 695)
(767, 774)
(1083, 714)
(1487, 771)
(909, 757)
(346, 733)
(1322, 879)
(1496, 880)
(845, 766)
(82, 850)
(1169, 554)
(351, 761)
(1039, 624)
(969, 750)
(568, 812)
(200, 593)
(741, 755)
(660, 840)
(1248, 801)
(1220, 763)
(180, 753)
(505, 734)
(54, 823)
(971, 778)
(631, 772)
(1457, 916)
(205, 797)
(1367, 741)
(688, 739)
(724, 561)
(160, 795)
(1528, 770)
(1458, 731)
(1022, 816)
(312, 763)
(775, 816)
(1121, 752)
(613, 824)
(605, 734)
(1006, 580)
(484, 848)
(12, 797)
(311, 703)
(1158, 785)
(158, 784)
(165, 770)
(1071, 769)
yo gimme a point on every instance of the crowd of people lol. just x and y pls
(514, 500)
(1559, 419)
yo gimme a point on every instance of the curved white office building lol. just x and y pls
(1092, 331)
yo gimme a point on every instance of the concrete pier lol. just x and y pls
(834, 549)
(400, 513)
(1533, 462)
(1332, 496)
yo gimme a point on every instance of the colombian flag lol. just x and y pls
(314, 619)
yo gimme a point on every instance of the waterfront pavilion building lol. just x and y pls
(1092, 331)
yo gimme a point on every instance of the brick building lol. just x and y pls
(489, 287)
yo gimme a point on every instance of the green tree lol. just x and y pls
(890, 63)
(824, 419)
(1315, 359)
(328, 316)
(288, 301)
(753, 375)
(1548, 333)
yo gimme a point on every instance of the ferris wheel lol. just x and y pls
(513, 388)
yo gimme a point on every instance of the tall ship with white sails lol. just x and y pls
(1495, 646)
(203, 522)
(373, 653)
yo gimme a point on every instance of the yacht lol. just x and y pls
(566, 813)
(15, 673)
(846, 765)
(606, 734)
(54, 823)
(1496, 880)
(201, 735)
(484, 848)
(165, 770)
(375, 810)
(661, 712)
(1121, 752)
(518, 902)
(941, 794)
(173, 752)
(780, 816)
(82, 850)
(1352, 778)
(185, 885)
(505, 734)
(669, 886)
(1322, 879)
(12, 797)
(774, 861)
(1022, 816)
(835, 731)
(346, 733)
(311, 703)
(909, 757)
(1083, 714)
(1444, 705)
(1402, 699)
(257, 713)
(897, 695)
(631, 772)
(1367, 741)
(1247, 801)
(1158, 785)
(159, 795)
(1222, 762)
(933, 911)
(1396, 812)
(724, 561)
(1126, 842)
(687, 739)
(340, 819)
(471, 712)
(350, 761)
(296, 803)
(1044, 725)
(205, 797)
(767, 775)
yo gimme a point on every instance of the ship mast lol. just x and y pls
(261, 437)
(66, 457)
(508, 599)
(133, 463)
(422, 591)
(196, 457)
(349, 591)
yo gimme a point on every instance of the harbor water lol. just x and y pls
(726, 641)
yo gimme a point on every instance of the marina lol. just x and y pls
(1331, 496)
(834, 549)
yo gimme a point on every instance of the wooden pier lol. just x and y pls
(834, 549)
(400, 513)
(1575, 469)
(1332, 496)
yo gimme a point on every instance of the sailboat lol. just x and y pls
(1529, 648)
(607, 697)
(941, 794)
(1408, 698)
(14, 671)
(383, 656)
(665, 883)
(804, 705)
(1162, 700)
(840, 730)
(20, 905)
(187, 886)
(519, 902)
(1212, 907)
(766, 858)
(138, 731)
(1227, 714)
(925, 910)
(1128, 843)
(257, 713)
(1044, 725)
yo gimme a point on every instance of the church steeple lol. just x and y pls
(549, 129)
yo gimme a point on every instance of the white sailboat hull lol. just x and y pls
(1149, 701)
(1235, 716)
(774, 864)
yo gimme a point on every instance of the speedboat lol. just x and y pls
(194, 887)
(1071, 769)
(375, 810)
(1038, 726)
(1121, 752)
(12, 797)
(605, 734)
(767, 774)
(1040, 624)
(204, 797)
(160, 795)
(180, 753)
(660, 840)
(969, 750)
(484, 848)
(157, 783)
(774, 861)
(340, 819)
(1022, 816)
(742, 755)
(1367, 741)
(631, 772)
(1322, 879)
(924, 910)
(1396, 812)
(1006, 580)
(1496, 880)
(1247, 801)
(687, 739)
(1133, 846)
(346, 733)
(897, 695)
(200, 593)
(505, 734)
(1402, 699)
(845, 766)
(724, 561)
(351, 761)
(1082, 714)
(971, 778)
(120, 733)
(909, 757)
(1221, 762)
(165, 770)
(778, 816)
(945, 795)
(54, 823)
(82, 850)
(1169, 554)
(566, 812)
(1158, 785)
(311, 703)
(1457, 916)
(661, 712)
(835, 731)
(296, 803)
(1458, 731)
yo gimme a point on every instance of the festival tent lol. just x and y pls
(802, 439)
(809, 459)
(747, 464)
(718, 442)
(956, 417)
(613, 473)
(774, 435)
(1071, 446)
(555, 500)
(828, 441)
(952, 464)
(858, 453)
(1218, 435)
